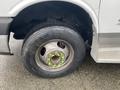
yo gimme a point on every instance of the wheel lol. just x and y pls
(53, 51)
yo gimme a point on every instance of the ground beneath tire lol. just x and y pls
(89, 76)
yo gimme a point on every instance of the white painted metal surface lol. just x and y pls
(109, 32)
(110, 16)
(4, 48)
(6, 6)
(4, 27)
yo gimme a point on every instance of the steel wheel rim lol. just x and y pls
(57, 54)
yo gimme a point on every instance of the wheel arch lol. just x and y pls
(25, 3)
(17, 10)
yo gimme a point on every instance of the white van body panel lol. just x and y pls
(6, 6)
(110, 16)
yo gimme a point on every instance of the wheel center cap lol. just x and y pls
(56, 59)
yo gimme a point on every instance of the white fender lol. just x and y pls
(26, 3)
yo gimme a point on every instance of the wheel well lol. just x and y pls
(42, 12)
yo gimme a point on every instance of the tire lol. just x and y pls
(42, 39)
